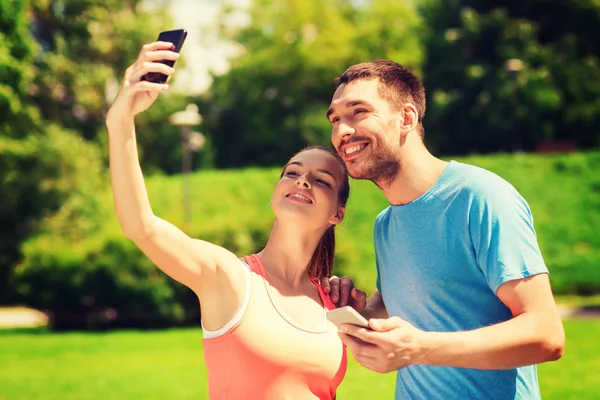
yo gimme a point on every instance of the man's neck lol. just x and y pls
(418, 173)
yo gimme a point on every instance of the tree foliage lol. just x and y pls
(274, 98)
(506, 75)
(56, 58)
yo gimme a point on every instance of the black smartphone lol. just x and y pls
(177, 37)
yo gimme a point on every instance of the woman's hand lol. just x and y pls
(136, 95)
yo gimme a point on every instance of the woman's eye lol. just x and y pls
(324, 183)
(335, 119)
(291, 173)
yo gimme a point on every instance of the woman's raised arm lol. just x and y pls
(194, 263)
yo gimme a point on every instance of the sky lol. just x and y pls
(199, 18)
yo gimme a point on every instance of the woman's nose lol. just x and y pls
(303, 181)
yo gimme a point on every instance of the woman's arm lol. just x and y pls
(209, 270)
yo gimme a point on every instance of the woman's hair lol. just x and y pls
(321, 262)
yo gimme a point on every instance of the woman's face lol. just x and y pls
(308, 189)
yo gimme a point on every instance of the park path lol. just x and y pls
(21, 317)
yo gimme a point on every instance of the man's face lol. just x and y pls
(365, 131)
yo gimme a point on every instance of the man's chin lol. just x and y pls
(356, 172)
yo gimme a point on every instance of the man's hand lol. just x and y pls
(343, 293)
(390, 345)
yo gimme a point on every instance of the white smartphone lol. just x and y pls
(346, 315)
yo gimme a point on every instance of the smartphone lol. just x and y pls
(177, 37)
(346, 315)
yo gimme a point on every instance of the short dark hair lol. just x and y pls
(321, 262)
(397, 85)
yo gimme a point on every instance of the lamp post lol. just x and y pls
(514, 66)
(190, 141)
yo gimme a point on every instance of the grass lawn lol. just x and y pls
(168, 365)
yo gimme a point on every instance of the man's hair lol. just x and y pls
(397, 85)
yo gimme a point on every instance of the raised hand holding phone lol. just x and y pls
(176, 37)
(137, 94)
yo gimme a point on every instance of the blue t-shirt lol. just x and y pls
(440, 261)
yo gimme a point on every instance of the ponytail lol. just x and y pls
(321, 263)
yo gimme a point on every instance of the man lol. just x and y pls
(460, 272)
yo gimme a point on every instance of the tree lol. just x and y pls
(52, 98)
(41, 166)
(274, 98)
(86, 47)
(506, 75)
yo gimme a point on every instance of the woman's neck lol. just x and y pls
(288, 252)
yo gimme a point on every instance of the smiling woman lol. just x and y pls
(263, 315)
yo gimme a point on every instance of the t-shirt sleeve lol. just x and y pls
(503, 236)
(375, 237)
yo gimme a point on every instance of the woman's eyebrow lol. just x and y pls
(324, 171)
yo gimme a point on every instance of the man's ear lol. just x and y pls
(410, 117)
(339, 216)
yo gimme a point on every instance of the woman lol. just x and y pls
(265, 331)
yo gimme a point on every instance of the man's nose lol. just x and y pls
(343, 131)
(303, 181)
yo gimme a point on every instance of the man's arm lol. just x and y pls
(535, 334)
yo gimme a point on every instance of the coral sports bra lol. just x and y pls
(263, 354)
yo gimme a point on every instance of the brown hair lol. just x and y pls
(397, 85)
(321, 262)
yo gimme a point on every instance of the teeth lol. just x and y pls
(354, 149)
(301, 197)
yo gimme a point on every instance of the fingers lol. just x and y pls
(346, 286)
(364, 334)
(154, 46)
(365, 354)
(334, 293)
(147, 67)
(146, 86)
(356, 347)
(325, 285)
(160, 55)
(151, 59)
(387, 324)
(359, 299)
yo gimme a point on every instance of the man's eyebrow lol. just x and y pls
(324, 171)
(352, 103)
(329, 112)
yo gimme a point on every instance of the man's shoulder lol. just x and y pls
(480, 183)
(383, 216)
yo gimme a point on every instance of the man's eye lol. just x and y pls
(335, 119)
(359, 110)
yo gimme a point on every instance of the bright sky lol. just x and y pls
(201, 53)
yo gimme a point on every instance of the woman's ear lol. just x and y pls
(339, 216)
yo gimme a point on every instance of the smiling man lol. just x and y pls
(464, 302)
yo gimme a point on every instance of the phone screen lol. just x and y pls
(177, 37)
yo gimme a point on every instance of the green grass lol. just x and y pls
(168, 365)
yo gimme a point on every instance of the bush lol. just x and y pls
(100, 279)
(110, 285)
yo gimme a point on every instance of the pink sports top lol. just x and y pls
(266, 356)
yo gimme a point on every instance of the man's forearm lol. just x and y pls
(523, 340)
(375, 307)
